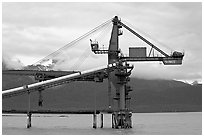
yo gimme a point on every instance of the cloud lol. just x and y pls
(9, 62)
(33, 30)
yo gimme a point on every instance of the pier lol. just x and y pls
(93, 112)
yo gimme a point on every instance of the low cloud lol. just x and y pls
(9, 62)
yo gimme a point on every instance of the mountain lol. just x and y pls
(13, 81)
(147, 95)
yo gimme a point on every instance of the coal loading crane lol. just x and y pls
(120, 76)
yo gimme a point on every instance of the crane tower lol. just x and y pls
(121, 117)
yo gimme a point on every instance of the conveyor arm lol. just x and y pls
(53, 82)
(37, 72)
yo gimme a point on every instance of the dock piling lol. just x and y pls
(101, 120)
(94, 121)
(28, 112)
(29, 120)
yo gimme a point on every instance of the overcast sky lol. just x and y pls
(31, 31)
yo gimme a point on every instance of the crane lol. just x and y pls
(120, 76)
(117, 71)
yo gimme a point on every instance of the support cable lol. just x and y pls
(81, 59)
(72, 43)
(148, 36)
(145, 40)
(87, 53)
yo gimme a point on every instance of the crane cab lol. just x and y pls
(94, 45)
(177, 54)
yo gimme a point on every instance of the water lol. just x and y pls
(143, 124)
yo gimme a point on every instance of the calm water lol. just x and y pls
(143, 124)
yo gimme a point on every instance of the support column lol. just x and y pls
(94, 121)
(112, 120)
(40, 101)
(130, 116)
(28, 112)
(29, 120)
(109, 93)
(122, 97)
(115, 120)
(101, 120)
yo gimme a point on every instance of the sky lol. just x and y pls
(31, 31)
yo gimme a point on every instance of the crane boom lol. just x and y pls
(145, 40)
(166, 60)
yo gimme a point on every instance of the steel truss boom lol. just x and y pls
(145, 40)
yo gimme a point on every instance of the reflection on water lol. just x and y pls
(143, 124)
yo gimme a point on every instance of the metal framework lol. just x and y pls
(120, 76)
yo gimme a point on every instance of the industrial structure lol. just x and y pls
(117, 71)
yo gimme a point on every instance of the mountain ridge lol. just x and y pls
(147, 95)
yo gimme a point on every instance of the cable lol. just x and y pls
(87, 52)
(72, 43)
(148, 36)
(105, 33)
(81, 59)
